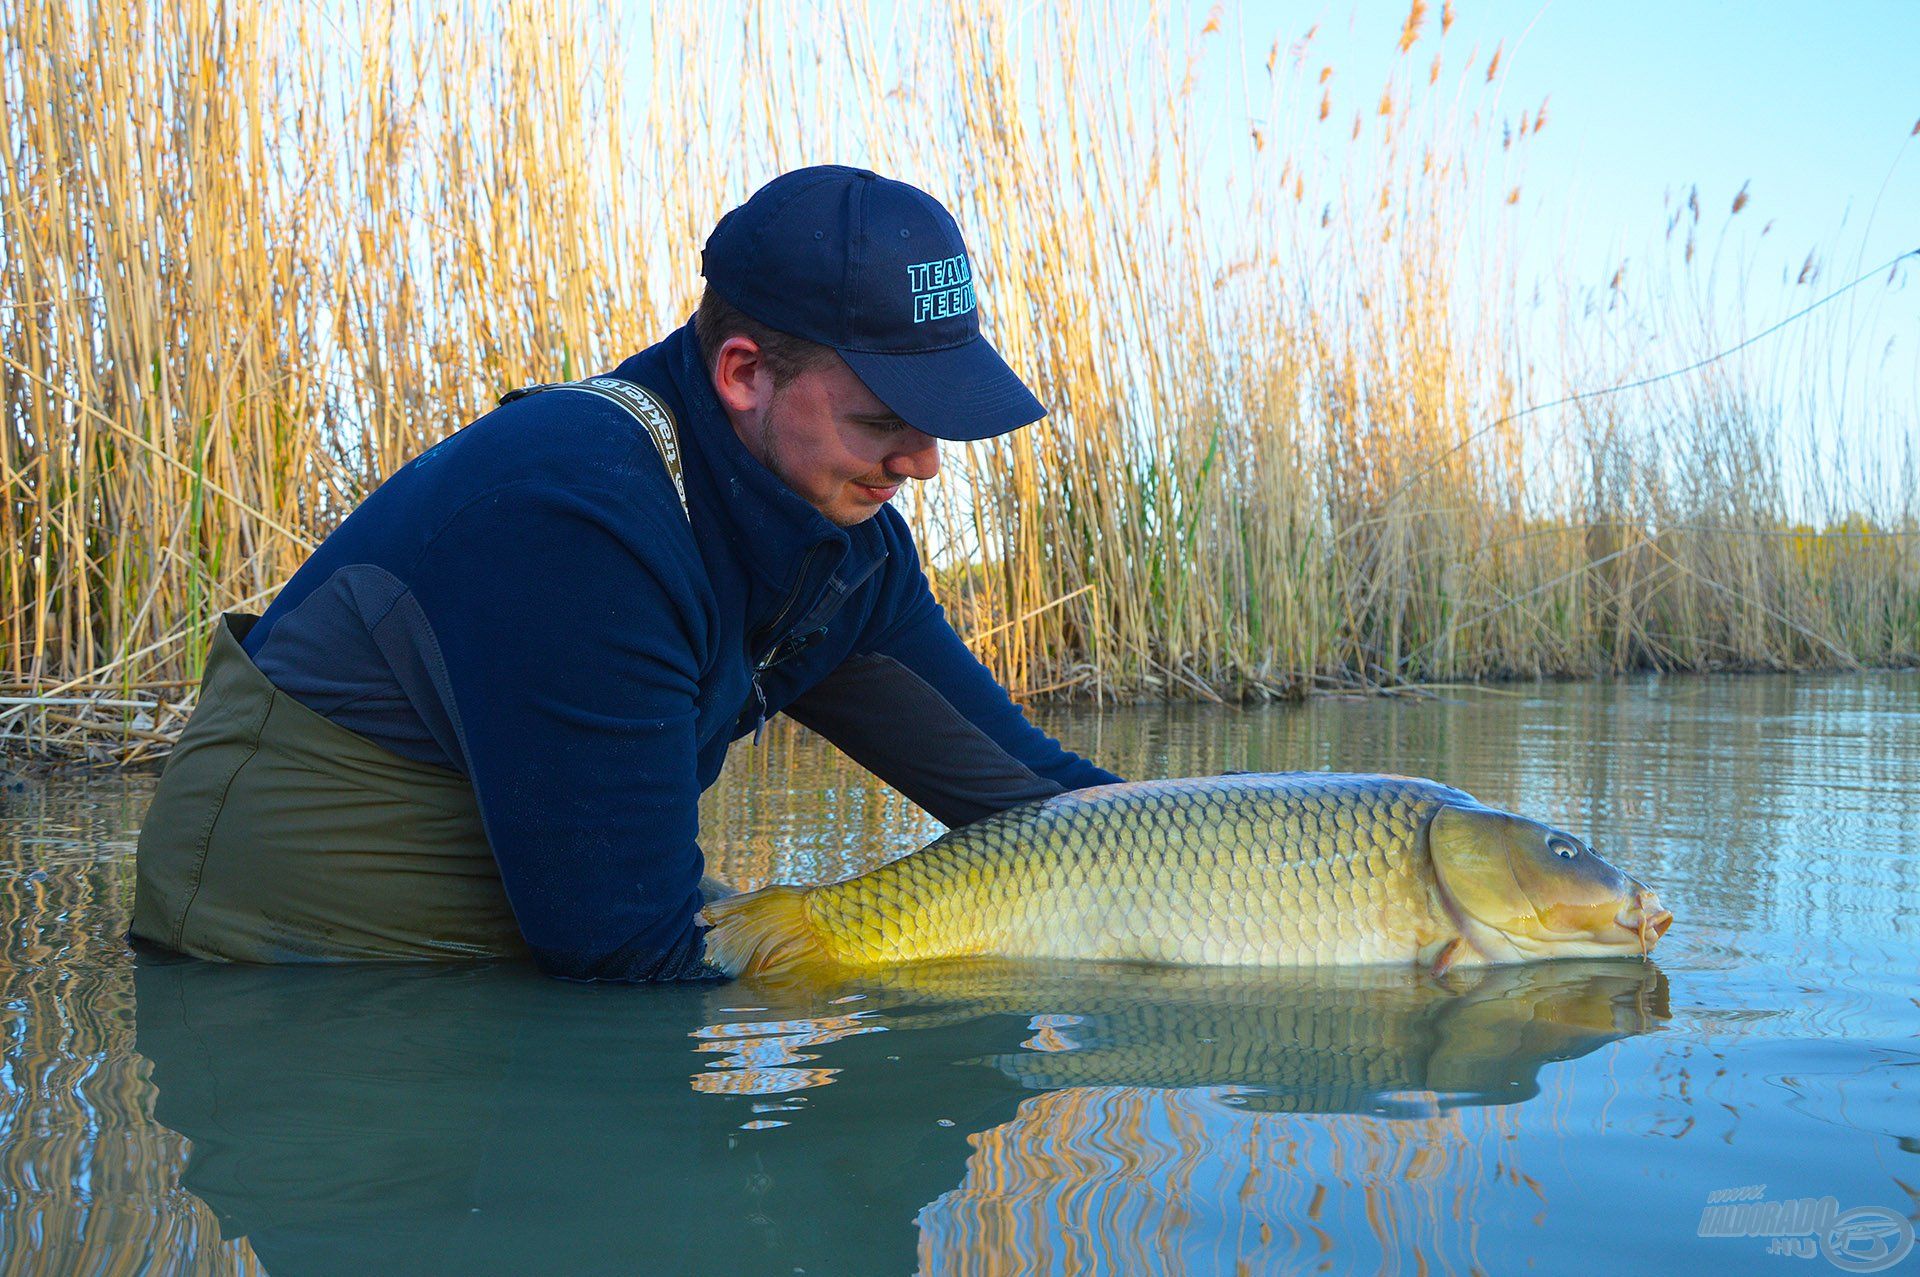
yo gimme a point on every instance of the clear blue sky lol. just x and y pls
(1810, 102)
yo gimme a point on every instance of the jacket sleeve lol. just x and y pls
(918, 710)
(573, 677)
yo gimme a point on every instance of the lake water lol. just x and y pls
(1589, 1116)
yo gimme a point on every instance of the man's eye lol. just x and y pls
(892, 427)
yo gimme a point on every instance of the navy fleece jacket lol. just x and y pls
(527, 604)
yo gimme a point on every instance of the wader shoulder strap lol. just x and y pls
(640, 404)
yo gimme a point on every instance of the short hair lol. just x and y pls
(786, 356)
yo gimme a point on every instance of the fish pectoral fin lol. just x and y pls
(1443, 961)
(762, 931)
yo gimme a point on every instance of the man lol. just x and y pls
(478, 720)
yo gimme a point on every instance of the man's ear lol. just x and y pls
(740, 376)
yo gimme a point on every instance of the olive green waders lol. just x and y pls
(278, 836)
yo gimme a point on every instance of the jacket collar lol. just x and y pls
(766, 526)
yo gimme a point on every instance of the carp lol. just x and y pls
(1278, 870)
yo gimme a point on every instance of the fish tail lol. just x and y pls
(762, 931)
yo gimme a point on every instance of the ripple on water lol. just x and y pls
(760, 1057)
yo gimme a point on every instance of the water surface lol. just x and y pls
(992, 1118)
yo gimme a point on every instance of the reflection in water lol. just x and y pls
(761, 1054)
(1126, 1180)
(1317, 1040)
(88, 1184)
(1356, 1042)
(1152, 1148)
(451, 1120)
(481, 1119)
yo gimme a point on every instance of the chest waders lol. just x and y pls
(279, 836)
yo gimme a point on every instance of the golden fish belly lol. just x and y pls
(1276, 870)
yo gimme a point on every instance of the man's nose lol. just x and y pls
(917, 458)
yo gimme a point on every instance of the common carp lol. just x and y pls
(1286, 869)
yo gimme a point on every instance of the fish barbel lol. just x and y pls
(1286, 869)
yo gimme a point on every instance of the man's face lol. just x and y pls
(832, 441)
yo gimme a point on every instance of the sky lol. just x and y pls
(1811, 104)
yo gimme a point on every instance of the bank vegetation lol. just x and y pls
(254, 258)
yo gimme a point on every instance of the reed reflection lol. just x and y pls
(1120, 1180)
(760, 1056)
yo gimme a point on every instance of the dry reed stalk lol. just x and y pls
(251, 264)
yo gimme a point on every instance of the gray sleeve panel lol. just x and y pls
(359, 652)
(899, 727)
(406, 639)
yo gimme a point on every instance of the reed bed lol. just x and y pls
(252, 261)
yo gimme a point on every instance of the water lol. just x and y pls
(183, 1117)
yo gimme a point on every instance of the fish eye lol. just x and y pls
(1562, 848)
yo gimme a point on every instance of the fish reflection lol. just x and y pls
(1332, 1047)
(1353, 1041)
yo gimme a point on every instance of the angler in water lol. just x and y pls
(478, 721)
(1291, 869)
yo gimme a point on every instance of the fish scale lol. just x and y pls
(1286, 869)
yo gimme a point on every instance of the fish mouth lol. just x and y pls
(1645, 919)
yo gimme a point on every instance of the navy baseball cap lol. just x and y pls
(877, 270)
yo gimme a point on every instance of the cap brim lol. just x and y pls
(962, 393)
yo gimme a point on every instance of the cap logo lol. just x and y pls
(940, 288)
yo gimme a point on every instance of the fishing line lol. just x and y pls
(1802, 313)
(1797, 315)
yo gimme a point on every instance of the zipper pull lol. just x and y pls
(760, 713)
(791, 645)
